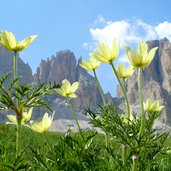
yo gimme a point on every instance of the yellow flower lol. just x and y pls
(168, 151)
(125, 118)
(43, 125)
(25, 117)
(150, 106)
(142, 57)
(90, 65)
(7, 39)
(105, 54)
(67, 90)
(124, 72)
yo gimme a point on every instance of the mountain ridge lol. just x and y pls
(156, 81)
(56, 68)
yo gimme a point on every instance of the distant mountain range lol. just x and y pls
(156, 81)
(56, 68)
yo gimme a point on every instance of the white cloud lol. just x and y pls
(123, 31)
(118, 30)
(149, 31)
(89, 46)
(164, 30)
(123, 59)
(86, 45)
(127, 32)
(100, 19)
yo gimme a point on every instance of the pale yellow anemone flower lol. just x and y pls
(25, 117)
(124, 72)
(7, 39)
(168, 151)
(43, 125)
(125, 118)
(68, 90)
(92, 64)
(142, 57)
(106, 54)
(150, 106)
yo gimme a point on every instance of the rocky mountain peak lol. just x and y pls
(6, 65)
(57, 68)
(65, 66)
(156, 79)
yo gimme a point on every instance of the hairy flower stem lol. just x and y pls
(104, 103)
(124, 81)
(15, 67)
(100, 88)
(75, 117)
(15, 73)
(134, 160)
(141, 103)
(122, 88)
(18, 137)
(124, 152)
(19, 117)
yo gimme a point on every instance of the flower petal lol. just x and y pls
(8, 40)
(25, 43)
(73, 95)
(12, 118)
(74, 86)
(36, 126)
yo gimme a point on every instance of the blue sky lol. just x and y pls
(78, 25)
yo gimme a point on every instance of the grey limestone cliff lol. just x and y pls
(64, 66)
(6, 65)
(156, 80)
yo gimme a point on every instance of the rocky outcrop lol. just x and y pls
(6, 65)
(156, 80)
(57, 68)
(88, 94)
(64, 66)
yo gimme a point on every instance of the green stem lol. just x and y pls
(15, 72)
(124, 81)
(100, 88)
(18, 137)
(104, 103)
(75, 117)
(19, 115)
(15, 67)
(124, 152)
(122, 88)
(107, 139)
(134, 164)
(141, 102)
